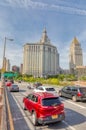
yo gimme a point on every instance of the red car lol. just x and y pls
(8, 84)
(44, 107)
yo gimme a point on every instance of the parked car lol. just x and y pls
(48, 89)
(14, 88)
(44, 107)
(76, 93)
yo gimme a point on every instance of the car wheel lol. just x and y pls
(24, 107)
(34, 119)
(60, 94)
(74, 98)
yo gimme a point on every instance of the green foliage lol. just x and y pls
(83, 78)
(61, 79)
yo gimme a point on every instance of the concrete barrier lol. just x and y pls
(1, 109)
(1, 90)
(1, 105)
(0, 98)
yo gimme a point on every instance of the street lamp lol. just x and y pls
(5, 50)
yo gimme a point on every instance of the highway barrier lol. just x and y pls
(1, 106)
(3, 125)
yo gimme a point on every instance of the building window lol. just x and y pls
(54, 50)
(38, 48)
(29, 48)
(44, 48)
(49, 49)
(34, 48)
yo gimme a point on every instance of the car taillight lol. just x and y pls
(79, 94)
(23, 99)
(62, 105)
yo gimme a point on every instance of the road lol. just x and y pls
(75, 113)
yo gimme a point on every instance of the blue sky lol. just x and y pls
(24, 21)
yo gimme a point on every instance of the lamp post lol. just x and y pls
(3, 65)
(5, 50)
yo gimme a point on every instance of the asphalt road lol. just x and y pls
(75, 113)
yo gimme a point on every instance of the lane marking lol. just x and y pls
(9, 113)
(69, 126)
(74, 103)
(30, 126)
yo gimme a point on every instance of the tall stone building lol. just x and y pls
(6, 64)
(21, 69)
(40, 59)
(75, 56)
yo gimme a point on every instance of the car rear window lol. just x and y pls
(50, 89)
(14, 86)
(51, 101)
(82, 89)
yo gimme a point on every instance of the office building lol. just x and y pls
(40, 59)
(75, 56)
(80, 71)
(6, 64)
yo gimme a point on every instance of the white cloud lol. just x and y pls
(69, 10)
(29, 3)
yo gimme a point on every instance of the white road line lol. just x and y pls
(69, 126)
(74, 103)
(26, 119)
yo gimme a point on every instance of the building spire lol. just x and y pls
(45, 39)
(75, 41)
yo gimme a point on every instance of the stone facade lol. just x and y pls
(80, 71)
(6, 64)
(40, 59)
(75, 56)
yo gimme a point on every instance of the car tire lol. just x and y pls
(74, 98)
(34, 119)
(60, 94)
(24, 108)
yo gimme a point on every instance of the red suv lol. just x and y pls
(44, 107)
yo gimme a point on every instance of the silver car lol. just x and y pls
(14, 88)
(48, 89)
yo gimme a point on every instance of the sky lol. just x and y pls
(25, 20)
